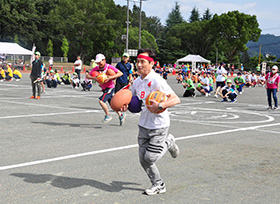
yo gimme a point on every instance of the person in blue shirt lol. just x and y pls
(125, 67)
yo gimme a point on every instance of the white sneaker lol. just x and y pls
(206, 94)
(173, 149)
(17, 79)
(156, 189)
(216, 96)
(76, 87)
(240, 93)
(269, 108)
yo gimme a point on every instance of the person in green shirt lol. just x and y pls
(188, 84)
(66, 78)
(211, 82)
(239, 82)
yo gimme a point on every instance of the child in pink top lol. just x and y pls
(108, 88)
(272, 87)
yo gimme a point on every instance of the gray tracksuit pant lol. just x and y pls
(153, 144)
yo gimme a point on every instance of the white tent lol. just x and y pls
(13, 49)
(192, 58)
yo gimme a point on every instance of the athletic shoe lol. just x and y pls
(76, 87)
(107, 119)
(32, 97)
(275, 108)
(1, 80)
(122, 118)
(156, 189)
(224, 100)
(17, 79)
(269, 108)
(206, 94)
(193, 95)
(173, 149)
(240, 93)
(38, 97)
(216, 96)
(233, 101)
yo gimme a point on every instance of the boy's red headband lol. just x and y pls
(145, 57)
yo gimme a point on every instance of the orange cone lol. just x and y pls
(23, 69)
(84, 69)
(73, 69)
(61, 69)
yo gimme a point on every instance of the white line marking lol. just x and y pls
(48, 114)
(127, 147)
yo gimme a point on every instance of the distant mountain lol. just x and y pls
(270, 45)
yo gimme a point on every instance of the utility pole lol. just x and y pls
(140, 22)
(260, 54)
(127, 26)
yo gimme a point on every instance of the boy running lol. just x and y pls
(108, 87)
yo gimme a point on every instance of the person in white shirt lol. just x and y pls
(78, 66)
(51, 80)
(75, 81)
(153, 137)
(203, 85)
(220, 79)
(261, 80)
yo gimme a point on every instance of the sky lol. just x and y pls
(267, 11)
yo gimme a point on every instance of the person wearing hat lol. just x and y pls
(239, 82)
(78, 66)
(125, 67)
(52, 79)
(108, 87)
(75, 81)
(272, 87)
(2, 74)
(35, 76)
(228, 91)
(9, 73)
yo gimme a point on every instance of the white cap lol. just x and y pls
(275, 67)
(99, 58)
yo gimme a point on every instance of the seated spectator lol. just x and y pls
(75, 81)
(261, 80)
(16, 74)
(228, 91)
(9, 73)
(66, 78)
(188, 83)
(164, 75)
(203, 85)
(248, 81)
(2, 74)
(51, 80)
(254, 80)
(239, 82)
(87, 83)
(211, 82)
(59, 81)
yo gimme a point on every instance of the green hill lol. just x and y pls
(270, 45)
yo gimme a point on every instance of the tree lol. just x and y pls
(195, 16)
(174, 17)
(50, 48)
(16, 39)
(65, 47)
(233, 30)
(207, 15)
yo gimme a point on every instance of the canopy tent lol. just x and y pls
(192, 58)
(13, 49)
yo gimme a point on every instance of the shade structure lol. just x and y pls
(192, 58)
(13, 49)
